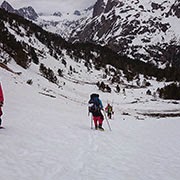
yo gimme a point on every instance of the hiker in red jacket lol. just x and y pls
(1, 103)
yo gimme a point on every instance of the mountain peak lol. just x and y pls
(28, 12)
(6, 6)
(77, 12)
(57, 14)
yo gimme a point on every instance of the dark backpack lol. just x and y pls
(94, 103)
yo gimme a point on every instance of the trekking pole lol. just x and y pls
(112, 110)
(91, 119)
(91, 122)
(107, 121)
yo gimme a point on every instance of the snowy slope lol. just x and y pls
(47, 133)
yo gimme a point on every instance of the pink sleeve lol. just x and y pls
(1, 94)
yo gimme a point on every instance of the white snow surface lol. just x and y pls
(47, 133)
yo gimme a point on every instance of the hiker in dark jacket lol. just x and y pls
(95, 107)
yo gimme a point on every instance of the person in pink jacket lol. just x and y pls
(1, 103)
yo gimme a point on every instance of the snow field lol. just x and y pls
(50, 138)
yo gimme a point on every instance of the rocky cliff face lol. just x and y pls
(175, 9)
(144, 30)
(98, 8)
(26, 12)
(5, 5)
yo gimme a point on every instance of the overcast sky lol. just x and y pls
(51, 6)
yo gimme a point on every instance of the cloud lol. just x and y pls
(50, 6)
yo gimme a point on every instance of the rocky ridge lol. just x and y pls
(26, 12)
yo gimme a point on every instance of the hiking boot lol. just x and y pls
(101, 128)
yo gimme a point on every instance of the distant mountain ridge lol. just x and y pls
(5, 5)
(64, 23)
(58, 22)
(26, 12)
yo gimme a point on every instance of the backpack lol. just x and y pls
(94, 103)
(110, 109)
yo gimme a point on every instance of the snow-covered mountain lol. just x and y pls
(5, 5)
(146, 30)
(64, 23)
(26, 43)
(26, 12)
